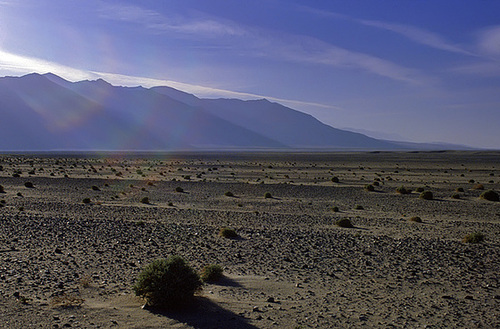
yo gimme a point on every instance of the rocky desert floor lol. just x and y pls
(66, 263)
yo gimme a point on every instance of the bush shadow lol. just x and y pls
(204, 314)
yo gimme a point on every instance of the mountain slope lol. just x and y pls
(46, 112)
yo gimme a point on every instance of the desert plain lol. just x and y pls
(76, 229)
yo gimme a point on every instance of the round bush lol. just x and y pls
(460, 189)
(145, 200)
(403, 190)
(29, 185)
(419, 189)
(86, 200)
(369, 188)
(268, 195)
(335, 209)
(416, 219)
(475, 237)
(335, 179)
(227, 232)
(359, 207)
(426, 195)
(490, 195)
(2, 190)
(167, 283)
(179, 189)
(455, 196)
(344, 222)
(211, 273)
(229, 194)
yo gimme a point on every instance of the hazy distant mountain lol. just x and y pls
(46, 112)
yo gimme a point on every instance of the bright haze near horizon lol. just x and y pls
(428, 71)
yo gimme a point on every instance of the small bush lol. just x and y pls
(460, 189)
(455, 196)
(478, 187)
(229, 193)
(86, 200)
(179, 189)
(2, 190)
(211, 273)
(419, 189)
(66, 301)
(475, 237)
(268, 195)
(403, 190)
(369, 188)
(29, 185)
(95, 188)
(426, 195)
(358, 207)
(145, 200)
(167, 283)
(335, 209)
(415, 219)
(344, 222)
(227, 232)
(335, 179)
(490, 195)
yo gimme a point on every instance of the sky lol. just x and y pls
(412, 70)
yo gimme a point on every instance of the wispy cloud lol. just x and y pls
(416, 34)
(313, 51)
(159, 23)
(489, 41)
(260, 42)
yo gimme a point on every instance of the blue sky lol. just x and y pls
(421, 71)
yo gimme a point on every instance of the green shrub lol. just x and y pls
(227, 232)
(490, 195)
(145, 200)
(211, 273)
(95, 188)
(426, 195)
(335, 179)
(29, 185)
(455, 196)
(475, 237)
(268, 195)
(369, 188)
(419, 189)
(403, 190)
(229, 193)
(415, 219)
(179, 189)
(167, 283)
(358, 207)
(335, 209)
(460, 189)
(86, 200)
(344, 222)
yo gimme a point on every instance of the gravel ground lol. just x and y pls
(66, 263)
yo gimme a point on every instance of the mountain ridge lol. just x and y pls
(46, 112)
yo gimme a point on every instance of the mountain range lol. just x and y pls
(47, 113)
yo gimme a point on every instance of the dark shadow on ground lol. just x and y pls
(226, 282)
(205, 314)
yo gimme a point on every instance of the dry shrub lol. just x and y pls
(415, 219)
(475, 237)
(227, 232)
(66, 300)
(490, 195)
